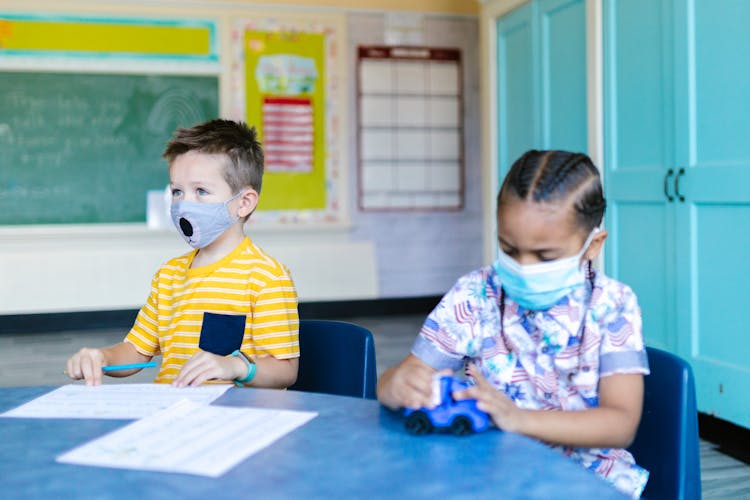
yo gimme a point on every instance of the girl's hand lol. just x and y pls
(503, 411)
(205, 366)
(409, 384)
(86, 364)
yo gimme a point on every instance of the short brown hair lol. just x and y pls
(236, 140)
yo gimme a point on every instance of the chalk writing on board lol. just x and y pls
(90, 145)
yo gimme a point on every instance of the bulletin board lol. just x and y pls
(286, 81)
(410, 128)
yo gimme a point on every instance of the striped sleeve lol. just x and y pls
(144, 334)
(444, 339)
(275, 324)
(622, 349)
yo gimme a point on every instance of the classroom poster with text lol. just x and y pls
(285, 100)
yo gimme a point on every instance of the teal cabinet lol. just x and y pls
(517, 86)
(638, 155)
(677, 178)
(541, 79)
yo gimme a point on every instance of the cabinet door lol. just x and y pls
(517, 79)
(712, 83)
(541, 61)
(562, 33)
(638, 150)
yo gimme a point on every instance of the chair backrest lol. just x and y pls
(666, 443)
(336, 358)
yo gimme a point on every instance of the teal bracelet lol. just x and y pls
(251, 369)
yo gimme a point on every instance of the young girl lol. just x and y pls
(540, 329)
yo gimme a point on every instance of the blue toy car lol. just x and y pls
(458, 417)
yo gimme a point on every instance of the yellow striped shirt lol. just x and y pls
(247, 282)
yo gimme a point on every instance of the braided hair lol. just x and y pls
(558, 176)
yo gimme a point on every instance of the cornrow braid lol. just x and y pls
(522, 178)
(551, 176)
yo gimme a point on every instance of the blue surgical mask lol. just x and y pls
(540, 286)
(201, 223)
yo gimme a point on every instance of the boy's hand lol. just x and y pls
(86, 364)
(208, 366)
(504, 412)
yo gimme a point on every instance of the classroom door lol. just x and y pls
(639, 159)
(541, 75)
(713, 222)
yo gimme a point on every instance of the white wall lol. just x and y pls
(423, 253)
(105, 267)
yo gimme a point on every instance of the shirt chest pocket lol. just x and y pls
(222, 334)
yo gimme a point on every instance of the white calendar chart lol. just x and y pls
(410, 128)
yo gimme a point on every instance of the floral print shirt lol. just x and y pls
(544, 360)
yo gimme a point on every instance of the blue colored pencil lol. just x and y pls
(132, 366)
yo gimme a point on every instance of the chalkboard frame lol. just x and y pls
(160, 48)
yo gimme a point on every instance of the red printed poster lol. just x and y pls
(288, 134)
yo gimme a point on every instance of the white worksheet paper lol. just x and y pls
(116, 401)
(189, 437)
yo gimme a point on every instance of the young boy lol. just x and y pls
(227, 310)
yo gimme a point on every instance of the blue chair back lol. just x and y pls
(666, 443)
(336, 358)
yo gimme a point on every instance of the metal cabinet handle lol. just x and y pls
(680, 173)
(669, 174)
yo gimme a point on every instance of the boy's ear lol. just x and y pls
(247, 202)
(595, 247)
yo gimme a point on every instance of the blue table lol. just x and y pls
(354, 448)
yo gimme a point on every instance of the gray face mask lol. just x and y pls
(201, 223)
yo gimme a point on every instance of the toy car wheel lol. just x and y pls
(418, 423)
(461, 425)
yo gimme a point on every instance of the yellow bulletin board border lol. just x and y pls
(317, 194)
(107, 37)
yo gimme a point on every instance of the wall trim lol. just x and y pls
(732, 439)
(67, 321)
(19, 324)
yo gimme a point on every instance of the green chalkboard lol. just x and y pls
(85, 148)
